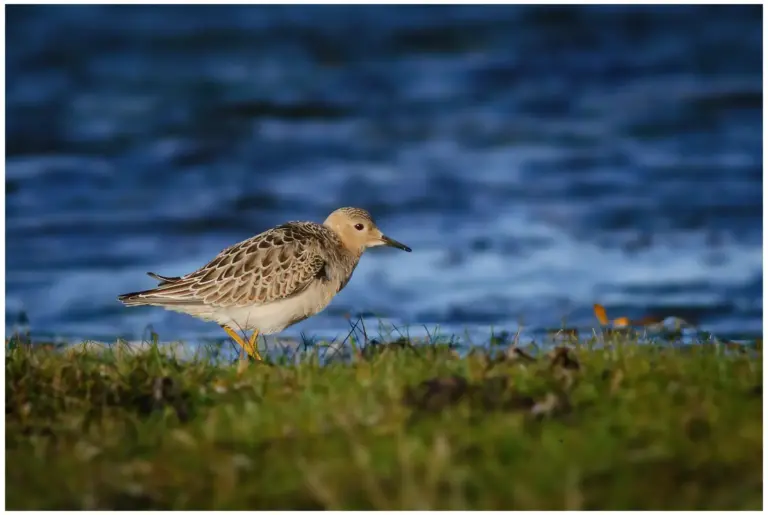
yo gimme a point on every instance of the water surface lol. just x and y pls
(537, 159)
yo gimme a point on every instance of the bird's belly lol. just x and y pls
(275, 316)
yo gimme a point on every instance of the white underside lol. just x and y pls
(266, 318)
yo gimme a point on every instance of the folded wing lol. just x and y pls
(273, 265)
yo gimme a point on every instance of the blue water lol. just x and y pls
(537, 159)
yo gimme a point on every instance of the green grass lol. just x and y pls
(624, 427)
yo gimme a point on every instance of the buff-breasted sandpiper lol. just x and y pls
(272, 280)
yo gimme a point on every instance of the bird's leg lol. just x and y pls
(250, 348)
(232, 334)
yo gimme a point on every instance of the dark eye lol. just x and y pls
(359, 227)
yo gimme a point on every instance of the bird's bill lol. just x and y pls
(389, 242)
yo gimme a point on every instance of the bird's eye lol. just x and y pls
(359, 227)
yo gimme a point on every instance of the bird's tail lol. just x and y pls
(134, 298)
(163, 294)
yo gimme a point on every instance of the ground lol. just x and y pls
(605, 424)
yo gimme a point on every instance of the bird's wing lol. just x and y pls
(273, 265)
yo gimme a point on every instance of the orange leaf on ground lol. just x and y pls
(621, 322)
(600, 314)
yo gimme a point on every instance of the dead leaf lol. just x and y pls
(436, 394)
(517, 354)
(602, 317)
(564, 358)
(564, 333)
(621, 322)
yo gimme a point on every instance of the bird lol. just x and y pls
(273, 280)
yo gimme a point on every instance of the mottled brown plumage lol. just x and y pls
(272, 280)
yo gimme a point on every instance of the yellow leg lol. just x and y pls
(252, 346)
(249, 347)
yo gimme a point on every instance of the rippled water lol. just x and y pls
(536, 159)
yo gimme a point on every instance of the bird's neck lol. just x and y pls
(352, 256)
(348, 262)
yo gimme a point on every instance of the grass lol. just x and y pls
(626, 426)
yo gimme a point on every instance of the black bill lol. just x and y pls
(392, 243)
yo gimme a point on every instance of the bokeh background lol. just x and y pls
(537, 159)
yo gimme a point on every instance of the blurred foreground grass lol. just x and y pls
(628, 426)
